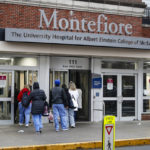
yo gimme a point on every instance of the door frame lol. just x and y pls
(119, 99)
(11, 99)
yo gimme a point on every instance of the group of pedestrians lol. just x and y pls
(61, 103)
(36, 100)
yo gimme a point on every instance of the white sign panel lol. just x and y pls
(75, 38)
(65, 63)
(109, 133)
(2, 81)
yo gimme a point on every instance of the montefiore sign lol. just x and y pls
(101, 25)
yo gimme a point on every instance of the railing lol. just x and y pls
(146, 18)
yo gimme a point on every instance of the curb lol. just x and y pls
(81, 145)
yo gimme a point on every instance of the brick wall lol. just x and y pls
(146, 32)
(22, 16)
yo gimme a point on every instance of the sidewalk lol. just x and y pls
(84, 132)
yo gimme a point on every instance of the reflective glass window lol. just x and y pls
(128, 108)
(128, 86)
(118, 65)
(111, 108)
(19, 61)
(146, 105)
(109, 86)
(146, 84)
(5, 110)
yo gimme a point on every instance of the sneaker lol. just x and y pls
(27, 125)
(20, 124)
(72, 126)
(65, 129)
(38, 133)
(57, 130)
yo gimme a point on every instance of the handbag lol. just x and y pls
(75, 104)
(50, 117)
(45, 112)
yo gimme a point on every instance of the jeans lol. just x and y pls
(71, 117)
(37, 120)
(24, 112)
(67, 117)
(59, 111)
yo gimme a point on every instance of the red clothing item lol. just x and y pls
(19, 97)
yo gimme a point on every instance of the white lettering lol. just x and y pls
(103, 25)
(72, 21)
(63, 24)
(54, 17)
(90, 24)
(127, 28)
(113, 28)
(83, 21)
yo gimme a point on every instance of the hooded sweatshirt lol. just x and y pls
(19, 97)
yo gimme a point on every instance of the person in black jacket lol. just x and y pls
(58, 101)
(38, 98)
(68, 99)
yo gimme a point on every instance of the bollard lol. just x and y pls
(108, 133)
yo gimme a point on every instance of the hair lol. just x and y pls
(72, 86)
(27, 86)
(64, 86)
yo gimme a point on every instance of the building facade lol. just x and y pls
(102, 46)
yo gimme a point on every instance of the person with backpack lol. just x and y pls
(38, 98)
(24, 106)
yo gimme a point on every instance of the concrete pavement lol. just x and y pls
(85, 135)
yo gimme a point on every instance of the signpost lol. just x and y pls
(109, 133)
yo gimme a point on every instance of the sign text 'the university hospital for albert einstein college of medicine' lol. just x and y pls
(65, 36)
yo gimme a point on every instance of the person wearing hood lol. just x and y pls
(38, 98)
(24, 112)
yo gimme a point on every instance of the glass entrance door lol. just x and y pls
(82, 80)
(6, 97)
(61, 75)
(119, 95)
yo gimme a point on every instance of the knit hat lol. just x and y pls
(57, 82)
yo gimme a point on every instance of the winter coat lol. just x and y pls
(75, 94)
(80, 98)
(68, 96)
(58, 96)
(38, 98)
(19, 97)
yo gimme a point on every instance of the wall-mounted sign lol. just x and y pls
(66, 63)
(97, 83)
(2, 81)
(109, 84)
(75, 38)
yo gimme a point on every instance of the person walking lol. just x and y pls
(64, 86)
(38, 98)
(24, 112)
(74, 96)
(58, 102)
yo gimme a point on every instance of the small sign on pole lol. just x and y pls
(109, 133)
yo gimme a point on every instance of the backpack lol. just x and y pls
(25, 100)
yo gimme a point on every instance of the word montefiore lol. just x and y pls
(100, 26)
